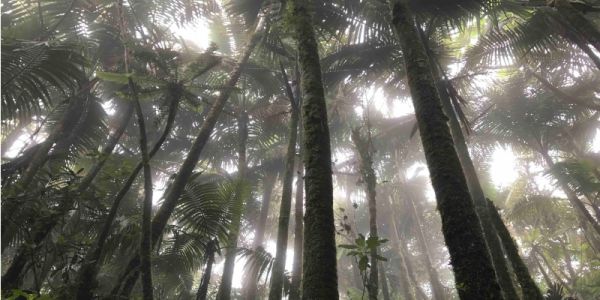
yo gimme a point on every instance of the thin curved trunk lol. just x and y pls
(319, 272)
(436, 285)
(277, 274)
(460, 225)
(251, 284)
(363, 147)
(405, 285)
(145, 241)
(298, 213)
(89, 269)
(203, 287)
(528, 286)
(185, 171)
(224, 292)
(384, 287)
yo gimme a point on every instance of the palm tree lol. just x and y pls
(277, 275)
(459, 219)
(363, 147)
(319, 280)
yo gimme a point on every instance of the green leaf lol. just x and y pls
(363, 263)
(122, 78)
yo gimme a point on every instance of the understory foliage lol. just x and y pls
(300, 149)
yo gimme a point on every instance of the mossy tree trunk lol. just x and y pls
(224, 292)
(298, 208)
(471, 262)
(528, 286)
(277, 274)
(363, 147)
(491, 237)
(319, 272)
(123, 287)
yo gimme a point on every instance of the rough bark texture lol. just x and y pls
(528, 286)
(224, 292)
(363, 147)
(491, 237)
(298, 213)
(210, 260)
(277, 274)
(474, 273)
(319, 272)
(89, 269)
(185, 171)
(146, 235)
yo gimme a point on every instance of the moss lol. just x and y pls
(473, 270)
(319, 272)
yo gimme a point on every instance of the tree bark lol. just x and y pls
(185, 171)
(363, 147)
(298, 208)
(528, 286)
(319, 272)
(277, 274)
(473, 270)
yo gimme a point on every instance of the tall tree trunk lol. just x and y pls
(473, 270)
(319, 272)
(203, 287)
(528, 286)
(460, 144)
(277, 274)
(491, 237)
(436, 285)
(363, 147)
(89, 269)
(146, 235)
(298, 209)
(224, 292)
(185, 171)
(251, 283)
(542, 270)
